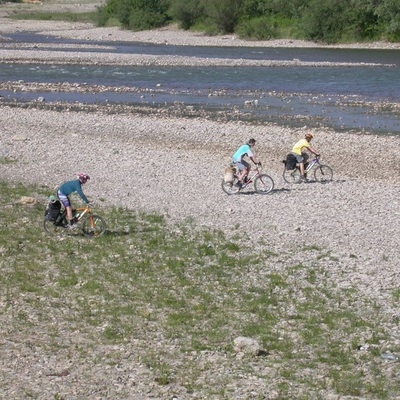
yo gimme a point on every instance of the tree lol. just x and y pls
(137, 14)
(325, 20)
(223, 14)
(186, 12)
(388, 12)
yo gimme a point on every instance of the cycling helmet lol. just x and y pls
(252, 141)
(309, 136)
(83, 177)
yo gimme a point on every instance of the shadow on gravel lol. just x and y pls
(282, 190)
(109, 232)
(116, 233)
(253, 192)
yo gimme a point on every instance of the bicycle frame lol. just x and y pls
(263, 183)
(322, 173)
(311, 164)
(81, 211)
(92, 225)
(250, 179)
(77, 213)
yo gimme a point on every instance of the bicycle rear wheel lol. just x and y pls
(54, 228)
(263, 184)
(323, 174)
(291, 176)
(93, 225)
(230, 188)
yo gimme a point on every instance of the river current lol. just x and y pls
(359, 97)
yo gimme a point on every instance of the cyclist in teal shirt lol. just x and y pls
(243, 165)
(67, 189)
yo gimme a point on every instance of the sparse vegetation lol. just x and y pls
(59, 16)
(179, 293)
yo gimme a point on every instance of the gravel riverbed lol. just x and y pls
(174, 166)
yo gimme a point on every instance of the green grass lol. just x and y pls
(147, 279)
(6, 160)
(62, 16)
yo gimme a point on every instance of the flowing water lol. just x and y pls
(360, 97)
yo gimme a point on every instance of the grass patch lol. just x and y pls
(7, 160)
(62, 16)
(147, 281)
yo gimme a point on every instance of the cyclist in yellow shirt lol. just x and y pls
(301, 156)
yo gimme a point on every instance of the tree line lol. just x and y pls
(327, 21)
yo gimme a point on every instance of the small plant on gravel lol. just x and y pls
(6, 160)
(171, 298)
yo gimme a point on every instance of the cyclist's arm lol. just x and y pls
(314, 151)
(254, 160)
(82, 195)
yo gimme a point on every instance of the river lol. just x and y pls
(360, 97)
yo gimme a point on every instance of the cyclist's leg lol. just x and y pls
(67, 205)
(305, 162)
(300, 160)
(244, 169)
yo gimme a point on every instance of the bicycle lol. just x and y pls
(91, 225)
(322, 173)
(263, 183)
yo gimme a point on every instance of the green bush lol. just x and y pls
(108, 11)
(282, 8)
(324, 20)
(135, 14)
(261, 28)
(223, 14)
(328, 21)
(186, 12)
(141, 20)
(388, 13)
(393, 31)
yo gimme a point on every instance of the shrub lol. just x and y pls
(260, 28)
(324, 20)
(186, 12)
(223, 14)
(388, 13)
(135, 14)
(141, 19)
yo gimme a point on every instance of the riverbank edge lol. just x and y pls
(168, 35)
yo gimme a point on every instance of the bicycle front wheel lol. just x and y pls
(263, 184)
(323, 174)
(230, 188)
(93, 225)
(291, 176)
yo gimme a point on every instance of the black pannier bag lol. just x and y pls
(291, 161)
(52, 209)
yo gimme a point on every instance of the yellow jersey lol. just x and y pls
(299, 146)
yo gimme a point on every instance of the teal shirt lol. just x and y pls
(241, 152)
(70, 187)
